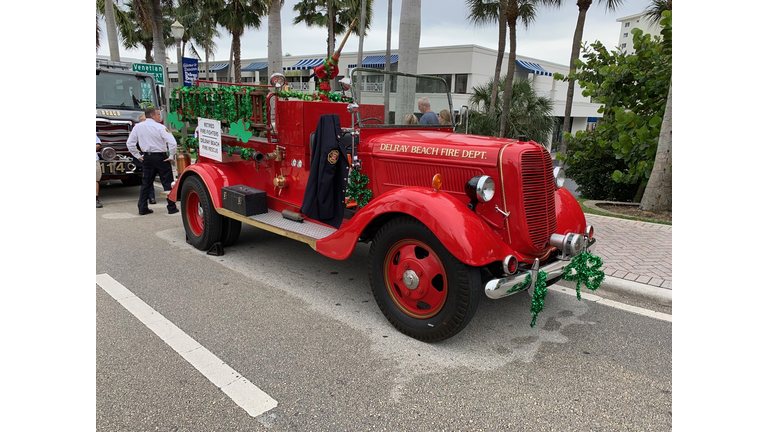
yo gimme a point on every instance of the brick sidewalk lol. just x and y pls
(635, 251)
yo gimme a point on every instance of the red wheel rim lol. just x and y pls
(194, 212)
(415, 278)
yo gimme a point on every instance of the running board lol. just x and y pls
(307, 232)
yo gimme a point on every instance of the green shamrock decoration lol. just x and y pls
(240, 130)
(584, 268)
(174, 120)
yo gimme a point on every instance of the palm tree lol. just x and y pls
(583, 5)
(275, 39)
(109, 17)
(529, 114)
(482, 12)
(236, 16)
(158, 42)
(655, 8)
(202, 29)
(315, 13)
(525, 12)
(657, 196)
(135, 25)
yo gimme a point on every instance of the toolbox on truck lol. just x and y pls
(244, 200)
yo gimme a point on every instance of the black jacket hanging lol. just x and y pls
(328, 171)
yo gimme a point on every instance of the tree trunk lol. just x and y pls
(275, 41)
(361, 40)
(109, 16)
(409, 39)
(575, 51)
(236, 54)
(158, 44)
(658, 193)
(387, 65)
(499, 55)
(331, 28)
(512, 14)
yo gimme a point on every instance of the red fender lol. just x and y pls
(570, 217)
(215, 177)
(457, 227)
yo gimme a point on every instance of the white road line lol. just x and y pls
(246, 395)
(614, 304)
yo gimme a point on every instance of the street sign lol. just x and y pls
(154, 69)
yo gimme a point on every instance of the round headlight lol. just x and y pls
(559, 173)
(480, 188)
(277, 80)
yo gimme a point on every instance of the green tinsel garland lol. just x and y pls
(333, 97)
(227, 103)
(584, 268)
(357, 191)
(539, 293)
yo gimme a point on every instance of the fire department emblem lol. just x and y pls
(333, 156)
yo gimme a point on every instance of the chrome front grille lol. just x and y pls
(538, 196)
(114, 134)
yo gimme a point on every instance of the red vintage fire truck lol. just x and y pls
(448, 216)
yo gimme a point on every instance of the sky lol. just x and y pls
(443, 23)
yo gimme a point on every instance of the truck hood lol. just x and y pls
(447, 147)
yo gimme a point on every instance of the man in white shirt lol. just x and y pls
(158, 148)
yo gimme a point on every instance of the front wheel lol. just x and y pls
(201, 222)
(422, 289)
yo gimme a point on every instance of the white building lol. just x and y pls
(462, 67)
(630, 22)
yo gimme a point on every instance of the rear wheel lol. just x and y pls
(230, 231)
(201, 222)
(422, 289)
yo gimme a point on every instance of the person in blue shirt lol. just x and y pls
(428, 117)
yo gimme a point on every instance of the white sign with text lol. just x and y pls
(210, 138)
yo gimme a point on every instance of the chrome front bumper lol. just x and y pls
(524, 280)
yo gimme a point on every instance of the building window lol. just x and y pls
(626, 34)
(626, 24)
(623, 45)
(461, 83)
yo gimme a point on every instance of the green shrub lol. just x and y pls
(591, 167)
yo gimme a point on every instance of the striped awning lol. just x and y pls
(255, 66)
(305, 64)
(534, 68)
(376, 61)
(218, 67)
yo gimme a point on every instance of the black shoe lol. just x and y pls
(173, 211)
(98, 204)
(152, 201)
(146, 212)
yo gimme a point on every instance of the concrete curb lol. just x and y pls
(621, 286)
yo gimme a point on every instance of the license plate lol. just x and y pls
(113, 168)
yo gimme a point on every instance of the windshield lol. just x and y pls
(123, 91)
(413, 100)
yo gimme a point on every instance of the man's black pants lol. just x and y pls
(155, 164)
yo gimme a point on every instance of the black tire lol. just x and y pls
(422, 289)
(230, 231)
(201, 222)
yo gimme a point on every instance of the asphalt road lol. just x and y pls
(306, 331)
